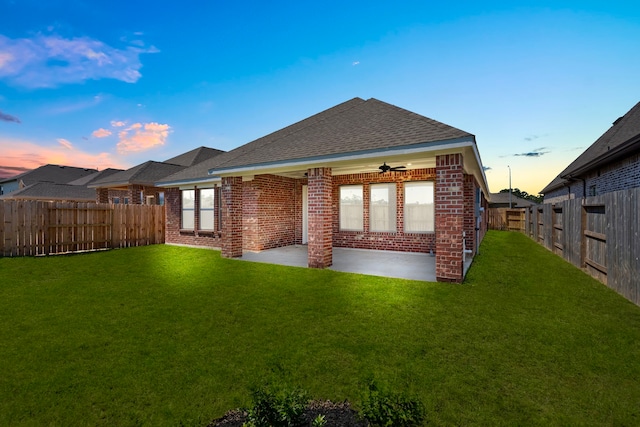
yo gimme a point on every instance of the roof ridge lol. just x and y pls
(311, 121)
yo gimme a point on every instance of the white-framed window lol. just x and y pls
(161, 198)
(351, 208)
(207, 203)
(382, 207)
(116, 200)
(419, 208)
(126, 200)
(188, 209)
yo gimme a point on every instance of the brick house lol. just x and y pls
(137, 184)
(362, 174)
(611, 163)
(76, 190)
(51, 174)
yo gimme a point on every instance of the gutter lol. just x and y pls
(367, 154)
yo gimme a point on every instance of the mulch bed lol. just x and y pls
(336, 415)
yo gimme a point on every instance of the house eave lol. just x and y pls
(616, 154)
(330, 160)
(179, 183)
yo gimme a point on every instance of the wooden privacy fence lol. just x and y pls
(506, 219)
(599, 234)
(30, 228)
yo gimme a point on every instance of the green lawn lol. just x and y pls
(164, 335)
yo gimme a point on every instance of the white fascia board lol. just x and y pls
(182, 184)
(328, 161)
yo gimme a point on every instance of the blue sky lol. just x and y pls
(112, 84)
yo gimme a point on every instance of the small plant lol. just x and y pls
(319, 421)
(386, 409)
(277, 407)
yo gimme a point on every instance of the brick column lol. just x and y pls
(102, 195)
(469, 212)
(449, 217)
(231, 216)
(134, 194)
(172, 214)
(320, 246)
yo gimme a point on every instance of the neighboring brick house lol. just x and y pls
(611, 163)
(324, 182)
(55, 174)
(502, 200)
(137, 184)
(72, 191)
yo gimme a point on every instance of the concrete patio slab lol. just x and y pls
(402, 265)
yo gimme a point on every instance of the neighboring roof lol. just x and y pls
(194, 156)
(503, 199)
(621, 139)
(86, 180)
(53, 191)
(146, 173)
(353, 127)
(51, 173)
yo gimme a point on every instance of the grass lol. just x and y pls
(164, 335)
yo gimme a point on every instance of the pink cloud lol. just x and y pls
(65, 143)
(20, 155)
(101, 133)
(117, 124)
(141, 137)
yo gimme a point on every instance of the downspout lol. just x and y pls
(584, 188)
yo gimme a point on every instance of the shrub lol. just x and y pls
(384, 409)
(277, 407)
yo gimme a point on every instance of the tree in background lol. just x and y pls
(524, 195)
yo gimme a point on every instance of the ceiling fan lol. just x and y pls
(386, 168)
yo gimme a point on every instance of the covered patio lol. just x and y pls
(401, 265)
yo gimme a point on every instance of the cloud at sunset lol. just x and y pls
(65, 143)
(19, 156)
(101, 133)
(8, 118)
(141, 137)
(51, 60)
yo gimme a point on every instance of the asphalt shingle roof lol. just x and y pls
(355, 126)
(86, 180)
(503, 198)
(194, 156)
(51, 173)
(623, 132)
(146, 173)
(53, 191)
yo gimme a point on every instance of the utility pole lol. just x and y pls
(510, 205)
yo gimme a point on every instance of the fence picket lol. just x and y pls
(29, 228)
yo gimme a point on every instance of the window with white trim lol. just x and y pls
(382, 207)
(351, 208)
(207, 218)
(419, 209)
(188, 209)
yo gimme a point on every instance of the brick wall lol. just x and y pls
(132, 193)
(450, 206)
(390, 241)
(173, 216)
(269, 216)
(621, 175)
